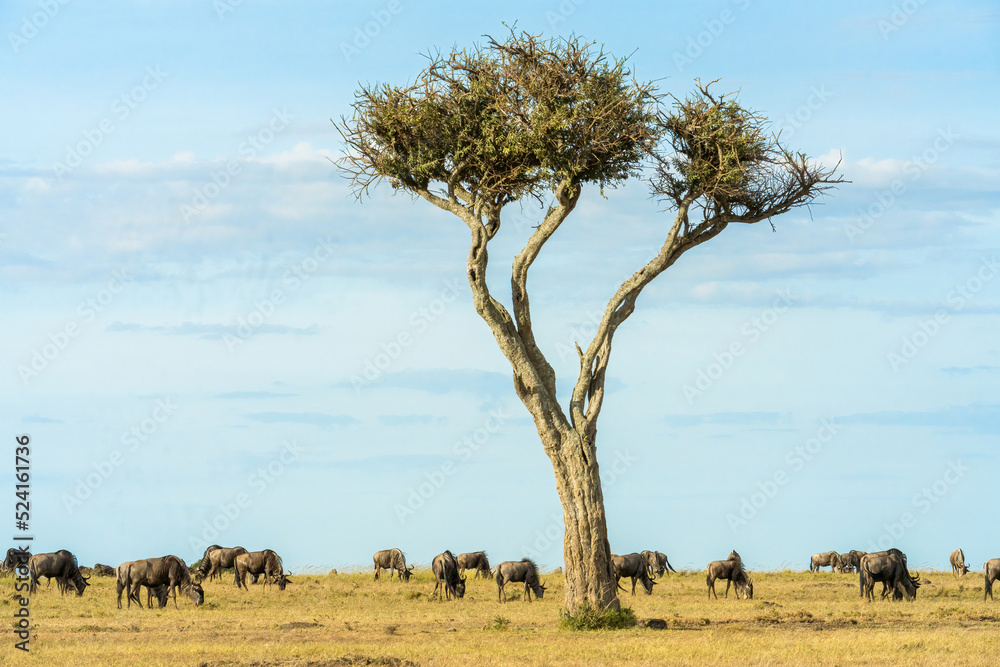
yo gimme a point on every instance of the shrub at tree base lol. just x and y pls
(588, 618)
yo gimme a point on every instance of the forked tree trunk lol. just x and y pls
(586, 551)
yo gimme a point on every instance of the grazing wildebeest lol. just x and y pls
(216, 559)
(657, 563)
(522, 570)
(170, 571)
(264, 562)
(992, 570)
(445, 569)
(392, 560)
(732, 571)
(124, 574)
(850, 561)
(844, 563)
(475, 561)
(102, 570)
(60, 565)
(633, 566)
(15, 556)
(958, 564)
(829, 559)
(889, 567)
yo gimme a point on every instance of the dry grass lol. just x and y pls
(796, 618)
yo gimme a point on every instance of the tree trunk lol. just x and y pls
(586, 551)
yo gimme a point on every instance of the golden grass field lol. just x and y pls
(346, 619)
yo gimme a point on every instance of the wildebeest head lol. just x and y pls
(648, 584)
(910, 584)
(282, 580)
(196, 593)
(405, 574)
(81, 584)
(460, 587)
(748, 588)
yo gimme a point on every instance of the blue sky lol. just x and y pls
(208, 339)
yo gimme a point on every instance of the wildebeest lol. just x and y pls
(992, 570)
(633, 566)
(102, 570)
(392, 560)
(475, 561)
(125, 573)
(523, 570)
(829, 559)
(732, 571)
(216, 559)
(889, 567)
(170, 571)
(657, 563)
(15, 557)
(844, 563)
(264, 562)
(958, 563)
(850, 560)
(445, 569)
(61, 565)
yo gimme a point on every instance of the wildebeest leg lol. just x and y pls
(711, 587)
(728, 581)
(633, 586)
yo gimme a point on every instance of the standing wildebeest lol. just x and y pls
(139, 570)
(958, 563)
(732, 571)
(992, 570)
(829, 559)
(889, 567)
(14, 558)
(445, 569)
(475, 561)
(657, 563)
(851, 560)
(102, 570)
(522, 570)
(171, 571)
(392, 560)
(264, 562)
(62, 566)
(217, 558)
(633, 566)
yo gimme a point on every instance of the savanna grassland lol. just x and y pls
(346, 619)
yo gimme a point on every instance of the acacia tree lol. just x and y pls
(528, 118)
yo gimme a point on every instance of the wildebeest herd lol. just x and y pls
(163, 577)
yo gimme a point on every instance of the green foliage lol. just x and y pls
(499, 623)
(589, 618)
(505, 120)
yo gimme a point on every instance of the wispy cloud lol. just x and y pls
(314, 418)
(978, 418)
(253, 394)
(730, 419)
(411, 420)
(38, 419)
(208, 331)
